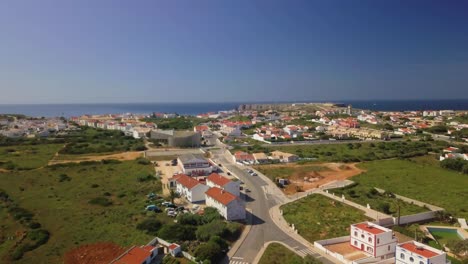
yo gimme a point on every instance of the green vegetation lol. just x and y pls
(417, 180)
(444, 236)
(355, 152)
(26, 157)
(318, 217)
(177, 123)
(276, 253)
(285, 171)
(455, 164)
(382, 202)
(90, 140)
(63, 208)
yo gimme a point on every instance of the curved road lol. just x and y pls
(263, 229)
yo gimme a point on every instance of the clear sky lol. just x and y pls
(86, 51)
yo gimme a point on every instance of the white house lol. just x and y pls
(191, 189)
(413, 252)
(231, 207)
(174, 249)
(373, 239)
(231, 130)
(140, 255)
(195, 164)
(216, 180)
(284, 156)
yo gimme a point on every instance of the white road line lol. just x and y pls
(237, 262)
(237, 258)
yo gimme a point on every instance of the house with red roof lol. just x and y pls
(216, 180)
(174, 249)
(373, 239)
(230, 206)
(413, 252)
(190, 188)
(242, 157)
(137, 255)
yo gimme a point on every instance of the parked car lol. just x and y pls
(153, 208)
(247, 190)
(254, 174)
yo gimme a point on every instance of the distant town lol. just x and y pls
(316, 182)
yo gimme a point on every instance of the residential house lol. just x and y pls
(173, 138)
(243, 157)
(373, 239)
(284, 156)
(260, 158)
(413, 252)
(195, 164)
(174, 249)
(190, 188)
(219, 181)
(137, 255)
(230, 206)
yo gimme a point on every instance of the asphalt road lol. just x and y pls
(263, 228)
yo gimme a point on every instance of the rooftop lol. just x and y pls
(186, 181)
(420, 249)
(218, 179)
(135, 255)
(221, 195)
(372, 228)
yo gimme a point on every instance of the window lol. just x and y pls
(355, 233)
(411, 259)
(355, 243)
(378, 240)
(362, 236)
(420, 262)
(402, 256)
(389, 248)
(370, 239)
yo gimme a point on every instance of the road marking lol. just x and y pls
(237, 258)
(237, 262)
(306, 251)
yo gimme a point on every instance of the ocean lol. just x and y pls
(68, 110)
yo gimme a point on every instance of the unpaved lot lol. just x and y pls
(304, 177)
(131, 155)
(99, 253)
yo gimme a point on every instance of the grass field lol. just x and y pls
(25, 157)
(276, 253)
(355, 152)
(318, 217)
(418, 180)
(61, 204)
(364, 195)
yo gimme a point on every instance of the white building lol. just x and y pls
(413, 252)
(216, 180)
(373, 239)
(232, 131)
(231, 207)
(192, 164)
(191, 189)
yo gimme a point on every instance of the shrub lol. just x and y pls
(145, 178)
(215, 228)
(102, 201)
(143, 161)
(150, 226)
(64, 177)
(209, 251)
(177, 232)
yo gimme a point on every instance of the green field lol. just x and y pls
(25, 157)
(284, 171)
(355, 152)
(443, 236)
(385, 203)
(418, 180)
(89, 140)
(276, 253)
(59, 198)
(318, 217)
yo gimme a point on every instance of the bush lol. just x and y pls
(143, 161)
(177, 232)
(102, 201)
(20, 213)
(215, 228)
(150, 225)
(145, 178)
(209, 251)
(64, 177)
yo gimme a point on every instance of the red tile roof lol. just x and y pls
(221, 195)
(173, 246)
(368, 228)
(186, 181)
(422, 251)
(218, 179)
(135, 255)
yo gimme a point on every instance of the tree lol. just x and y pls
(150, 225)
(173, 195)
(209, 251)
(177, 232)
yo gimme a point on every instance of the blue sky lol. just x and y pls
(90, 51)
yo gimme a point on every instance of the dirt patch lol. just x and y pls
(300, 181)
(118, 156)
(99, 253)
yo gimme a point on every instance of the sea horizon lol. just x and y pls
(194, 108)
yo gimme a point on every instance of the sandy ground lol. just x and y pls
(167, 172)
(313, 179)
(118, 156)
(99, 253)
